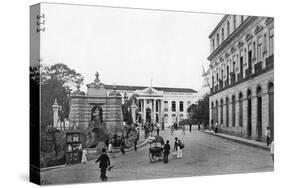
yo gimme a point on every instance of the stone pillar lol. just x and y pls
(265, 112)
(162, 110)
(245, 116)
(56, 109)
(254, 117)
(144, 110)
(154, 110)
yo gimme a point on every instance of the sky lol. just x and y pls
(128, 46)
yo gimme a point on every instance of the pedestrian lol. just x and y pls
(190, 127)
(84, 156)
(110, 150)
(158, 129)
(104, 163)
(179, 149)
(216, 128)
(183, 130)
(172, 130)
(272, 150)
(199, 126)
(176, 144)
(268, 136)
(135, 144)
(166, 151)
(122, 146)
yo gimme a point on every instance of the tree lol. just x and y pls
(200, 111)
(57, 82)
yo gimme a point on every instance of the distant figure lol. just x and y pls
(216, 127)
(135, 144)
(84, 156)
(176, 144)
(172, 130)
(122, 146)
(166, 151)
(272, 150)
(190, 127)
(110, 151)
(199, 126)
(157, 129)
(104, 163)
(268, 136)
(179, 149)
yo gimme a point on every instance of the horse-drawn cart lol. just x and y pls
(156, 148)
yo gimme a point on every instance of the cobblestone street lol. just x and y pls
(203, 154)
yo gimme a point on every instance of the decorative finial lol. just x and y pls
(97, 80)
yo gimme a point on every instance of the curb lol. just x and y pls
(239, 141)
(52, 167)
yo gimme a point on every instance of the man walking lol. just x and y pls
(104, 163)
(166, 151)
(268, 136)
(176, 144)
(190, 127)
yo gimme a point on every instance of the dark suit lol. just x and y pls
(166, 152)
(104, 163)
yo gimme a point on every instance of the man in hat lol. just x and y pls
(104, 163)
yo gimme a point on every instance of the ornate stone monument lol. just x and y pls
(100, 115)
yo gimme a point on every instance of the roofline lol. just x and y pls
(218, 25)
(143, 87)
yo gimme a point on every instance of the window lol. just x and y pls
(181, 106)
(234, 22)
(241, 65)
(218, 40)
(264, 44)
(213, 44)
(227, 72)
(212, 81)
(259, 49)
(221, 74)
(222, 34)
(221, 111)
(271, 42)
(165, 105)
(173, 106)
(227, 111)
(254, 50)
(228, 28)
(242, 19)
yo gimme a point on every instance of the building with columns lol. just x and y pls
(242, 76)
(159, 104)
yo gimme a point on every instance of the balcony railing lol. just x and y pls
(258, 66)
(269, 61)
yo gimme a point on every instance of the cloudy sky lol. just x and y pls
(128, 46)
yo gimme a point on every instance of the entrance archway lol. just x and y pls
(259, 112)
(249, 113)
(148, 115)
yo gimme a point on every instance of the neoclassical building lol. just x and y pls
(159, 104)
(241, 75)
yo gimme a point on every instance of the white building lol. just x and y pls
(159, 104)
(241, 75)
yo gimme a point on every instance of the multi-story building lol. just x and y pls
(159, 104)
(241, 75)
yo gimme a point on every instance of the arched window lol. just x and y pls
(217, 112)
(234, 22)
(271, 108)
(218, 40)
(213, 112)
(259, 112)
(264, 44)
(227, 111)
(240, 109)
(222, 34)
(233, 111)
(254, 50)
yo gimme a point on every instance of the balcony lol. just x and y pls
(269, 61)
(248, 72)
(258, 66)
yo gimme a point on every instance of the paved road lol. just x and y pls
(203, 154)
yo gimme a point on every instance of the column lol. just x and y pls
(154, 110)
(144, 110)
(162, 110)
(254, 117)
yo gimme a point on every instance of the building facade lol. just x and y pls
(241, 76)
(159, 104)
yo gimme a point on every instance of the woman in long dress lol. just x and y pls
(84, 156)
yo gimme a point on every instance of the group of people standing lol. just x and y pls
(149, 128)
(178, 149)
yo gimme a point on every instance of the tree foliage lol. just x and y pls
(200, 111)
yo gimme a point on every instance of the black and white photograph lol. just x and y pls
(126, 94)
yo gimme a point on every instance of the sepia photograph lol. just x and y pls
(122, 94)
